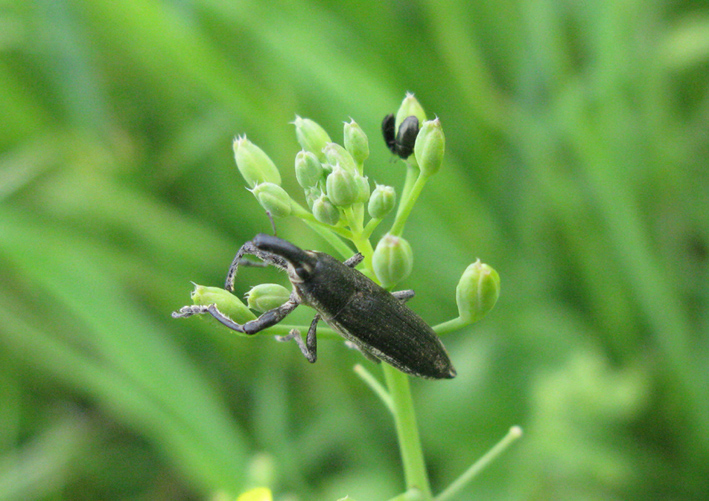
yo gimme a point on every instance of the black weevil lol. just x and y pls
(400, 143)
(375, 320)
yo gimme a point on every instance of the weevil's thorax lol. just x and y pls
(330, 286)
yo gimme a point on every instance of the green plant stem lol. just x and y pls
(412, 173)
(364, 247)
(370, 227)
(325, 232)
(400, 403)
(460, 483)
(407, 431)
(450, 325)
(353, 221)
(300, 212)
(407, 204)
(376, 386)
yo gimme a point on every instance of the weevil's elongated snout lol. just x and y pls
(294, 255)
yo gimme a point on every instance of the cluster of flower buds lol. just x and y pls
(336, 190)
(331, 175)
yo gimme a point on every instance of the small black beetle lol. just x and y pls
(400, 143)
(374, 320)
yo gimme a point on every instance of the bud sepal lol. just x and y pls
(311, 136)
(264, 297)
(274, 199)
(392, 260)
(342, 189)
(254, 165)
(356, 143)
(477, 291)
(430, 147)
(226, 302)
(382, 201)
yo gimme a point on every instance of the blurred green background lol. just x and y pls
(577, 139)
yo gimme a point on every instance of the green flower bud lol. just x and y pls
(327, 168)
(341, 187)
(312, 194)
(430, 146)
(226, 302)
(255, 166)
(392, 260)
(273, 198)
(325, 212)
(311, 136)
(409, 106)
(336, 154)
(382, 201)
(265, 297)
(362, 184)
(356, 142)
(308, 169)
(477, 291)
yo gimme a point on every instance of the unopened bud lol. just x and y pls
(363, 189)
(255, 166)
(325, 212)
(382, 201)
(356, 142)
(273, 199)
(341, 187)
(477, 291)
(337, 155)
(409, 106)
(226, 302)
(311, 136)
(308, 169)
(264, 297)
(392, 260)
(311, 195)
(430, 147)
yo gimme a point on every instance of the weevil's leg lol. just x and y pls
(266, 320)
(368, 355)
(403, 296)
(188, 311)
(354, 260)
(309, 348)
(252, 264)
(198, 309)
(250, 248)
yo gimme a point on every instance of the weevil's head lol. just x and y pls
(301, 263)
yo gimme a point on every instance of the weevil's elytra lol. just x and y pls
(389, 133)
(400, 142)
(377, 322)
(406, 137)
(373, 319)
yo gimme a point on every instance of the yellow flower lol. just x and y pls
(257, 494)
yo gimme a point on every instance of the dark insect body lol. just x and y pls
(371, 318)
(400, 143)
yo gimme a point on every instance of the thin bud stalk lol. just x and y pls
(407, 204)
